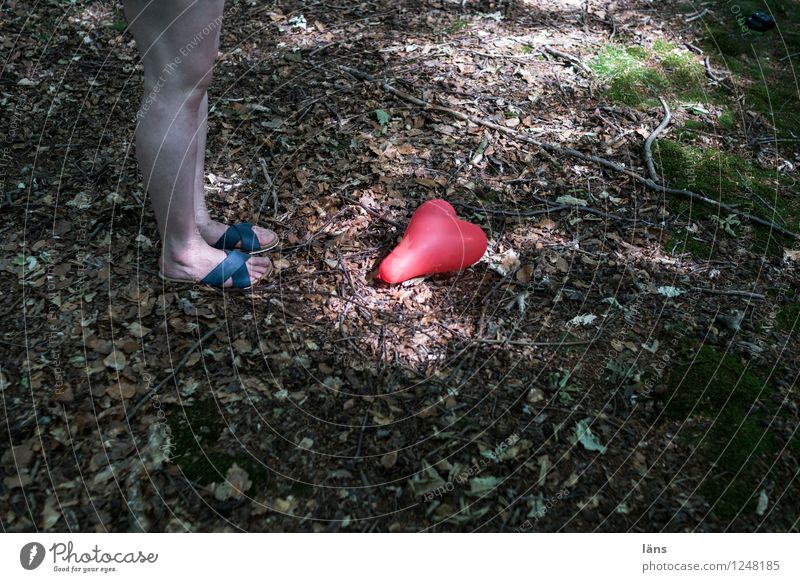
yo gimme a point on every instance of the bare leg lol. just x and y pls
(212, 230)
(200, 210)
(178, 41)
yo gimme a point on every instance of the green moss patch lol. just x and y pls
(456, 26)
(727, 119)
(730, 179)
(788, 318)
(769, 84)
(724, 404)
(637, 76)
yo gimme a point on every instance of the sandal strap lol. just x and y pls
(232, 267)
(239, 232)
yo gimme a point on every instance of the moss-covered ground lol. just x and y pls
(760, 73)
(758, 61)
(636, 75)
(725, 406)
(731, 179)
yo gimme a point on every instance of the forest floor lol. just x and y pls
(628, 362)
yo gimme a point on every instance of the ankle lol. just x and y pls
(202, 219)
(182, 251)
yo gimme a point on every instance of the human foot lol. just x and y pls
(212, 231)
(194, 261)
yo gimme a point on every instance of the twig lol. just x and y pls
(565, 151)
(270, 186)
(310, 239)
(713, 76)
(171, 375)
(567, 57)
(700, 14)
(548, 210)
(347, 276)
(693, 48)
(526, 214)
(710, 71)
(372, 212)
(5, 343)
(775, 212)
(770, 139)
(648, 143)
(585, 16)
(361, 437)
(518, 58)
(321, 48)
(734, 292)
(527, 343)
(613, 23)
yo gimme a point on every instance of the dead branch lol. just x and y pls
(712, 75)
(695, 49)
(548, 210)
(526, 343)
(734, 292)
(565, 151)
(567, 57)
(697, 15)
(512, 213)
(515, 58)
(648, 143)
(270, 186)
(610, 20)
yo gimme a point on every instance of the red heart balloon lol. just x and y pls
(436, 241)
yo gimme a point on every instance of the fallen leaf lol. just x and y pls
(121, 391)
(50, 515)
(581, 320)
(525, 273)
(237, 483)
(389, 459)
(669, 291)
(426, 481)
(763, 502)
(571, 200)
(482, 485)
(115, 360)
(584, 435)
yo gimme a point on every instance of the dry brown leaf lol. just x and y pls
(389, 459)
(122, 391)
(115, 360)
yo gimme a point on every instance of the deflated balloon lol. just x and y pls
(436, 241)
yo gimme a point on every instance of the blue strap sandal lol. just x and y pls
(242, 232)
(233, 267)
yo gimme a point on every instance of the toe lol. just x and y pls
(266, 237)
(260, 270)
